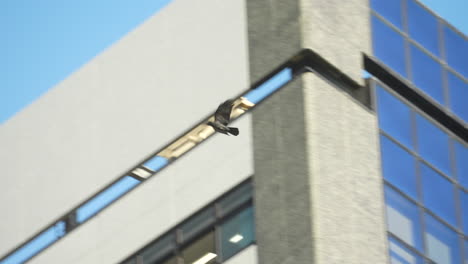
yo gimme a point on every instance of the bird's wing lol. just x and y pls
(223, 113)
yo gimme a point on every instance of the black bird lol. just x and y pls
(222, 117)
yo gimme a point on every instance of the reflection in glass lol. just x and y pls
(398, 167)
(197, 223)
(237, 233)
(461, 159)
(438, 194)
(171, 260)
(422, 27)
(458, 96)
(441, 242)
(464, 204)
(400, 254)
(388, 46)
(235, 198)
(402, 218)
(391, 10)
(456, 48)
(105, 198)
(427, 74)
(159, 249)
(394, 117)
(433, 144)
(201, 251)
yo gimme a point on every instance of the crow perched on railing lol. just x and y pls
(222, 117)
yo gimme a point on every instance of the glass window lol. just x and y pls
(464, 203)
(201, 251)
(456, 48)
(427, 74)
(403, 218)
(441, 242)
(461, 159)
(105, 198)
(422, 27)
(170, 260)
(433, 144)
(398, 167)
(394, 117)
(438, 194)
(458, 90)
(399, 254)
(197, 223)
(391, 10)
(388, 46)
(159, 249)
(237, 233)
(236, 198)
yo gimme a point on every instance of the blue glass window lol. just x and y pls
(274, 83)
(422, 27)
(461, 160)
(398, 167)
(237, 233)
(105, 198)
(464, 203)
(402, 218)
(433, 144)
(427, 74)
(456, 48)
(388, 46)
(458, 96)
(399, 254)
(391, 10)
(441, 242)
(36, 245)
(438, 194)
(394, 117)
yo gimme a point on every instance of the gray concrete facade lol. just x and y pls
(319, 196)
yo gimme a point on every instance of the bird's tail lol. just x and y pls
(233, 131)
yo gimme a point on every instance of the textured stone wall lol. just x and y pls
(318, 190)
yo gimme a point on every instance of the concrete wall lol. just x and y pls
(127, 102)
(160, 203)
(318, 192)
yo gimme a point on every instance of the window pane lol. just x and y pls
(159, 249)
(458, 96)
(433, 144)
(398, 167)
(461, 159)
(196, 224)
(236, 198)
(171, 260)
(427, 74)
(391, 10)
(237, 233)
(388, 46)
(456, 48)
(402, 218)
(422, 27)
(202, 250)
(441, 242)
(105, 198)
(394, 117)
(400, 254)
(464, 204)
(438, 194)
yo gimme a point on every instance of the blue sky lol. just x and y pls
(45, 41)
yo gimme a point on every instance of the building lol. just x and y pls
(116, 165)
